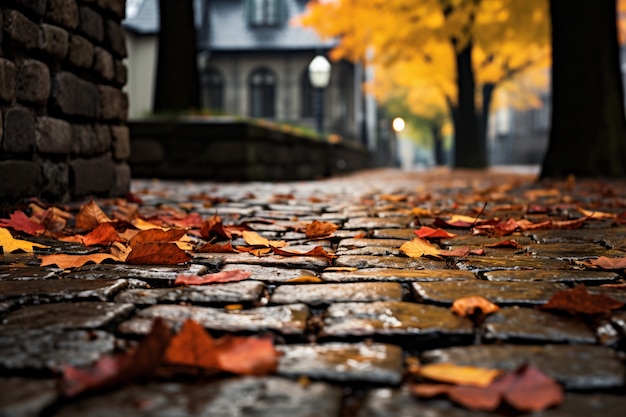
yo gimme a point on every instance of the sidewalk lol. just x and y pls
(352, 331)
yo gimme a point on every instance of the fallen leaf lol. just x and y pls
(142, 224)
(394, 198)
(525, 225)
(317, 229)
(10, 244)
(316, 251)
(468, 306)
(224, 276)
(510, 243)
(597, 215)
(609, 263)
(426, 232)
(341, 269)
(569, 224)
(417, 248)
(247, 355)
(305, 279)
(114, 370)
(532, 390)
(460, 375)
(461, 252)
(75, 261)
(254, 239)
(421, 212)
(458, 221)
(163, 253)
(20, 222)
(89, 216)
(103, 234)
(191, 220)
(214, 227)
(578, 301)
(192, 346)
(216, 248)
(254, 251)
(156, 236)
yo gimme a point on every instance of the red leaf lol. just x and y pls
(89, 216)
(20, 222)
(191, 220)
(158, 254)
(247, 355)
(155, 236)
(426, 232)
(192, 346)
(578, 301)
(103, 234)
(224, 276)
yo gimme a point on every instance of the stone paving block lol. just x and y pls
(618, 294)
(302, 262)
(23, 397)
(567, 276)
(581, 367)
(529, 325)
(396, 262)
(374, 362)
(157, 275)
(572, 251)
(364, 243)
(271, 274)
(371, 251)
(320, 294)
(404, 234)
(23, 272)
(235, 292)
(74, 315)
(464, 240)
(392, 318)
(515, 262)
(497, 292)
(49, 349)
(564, 236)
(269, 396)
(377, 223)
(56, 290)
(287, 319)
(392, 274)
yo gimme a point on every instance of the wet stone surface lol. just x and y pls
(316, 294)
(372, 362)
(377, 223)
(571, 276)
(572, 251)
(302, 262)
(497, 292)
(157, 275)
(393, 274)
(23, 397)
(23, 273)
(55, 290)
(517, 262)
(365, 261)
(271, 274)
(581, 367)
(403, 234)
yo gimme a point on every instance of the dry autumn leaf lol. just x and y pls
(75, 261)
(216, 248)
(10, 244)
(254, 239)
(460, 375)
(316, 251)
(426, 232)
(417, 248)
(224, 276)
(308, 279)
(317, 229)
(156, 236)
(90, 216)
(192, 347)
(578, 301)
(103, 234)
(511, 243)
(597, 215)
(609, 263)
(468, 306)
(214, 228)
(162, 253)
(461, 252)
(20, 222)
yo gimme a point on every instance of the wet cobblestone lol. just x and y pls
(350, 328)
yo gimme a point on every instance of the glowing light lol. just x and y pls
(398, 124)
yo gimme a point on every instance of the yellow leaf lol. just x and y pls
(461, 375)
(417, 248)
(9, 244)
(74, 261)
(598, 215)
(144, 225)
(305, 278)
(254, 239)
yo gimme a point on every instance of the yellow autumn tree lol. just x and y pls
(441, 52)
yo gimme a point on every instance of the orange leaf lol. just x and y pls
(20, 222)
(192, 346)
(467, 306)
(158, 254)
(426, 232)
(305, 279)
(609, 263)
(89, 216)
(417, 248)
(462, 252)
(320, 229)
(156, 236)
(254, 239)
(247, 355)
(103, 234)
(461, 375)
(254, 251)
(598, 215)
(578, 301)
(216, 248)
(213, 227)
(224, 276)
(569, 224)
(316, 251)
(75, 261)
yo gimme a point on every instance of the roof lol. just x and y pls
(229, 30)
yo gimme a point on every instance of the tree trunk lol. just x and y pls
(435, 129)
(588, 134)
(177, 65)
(469, 152)
(483, 126)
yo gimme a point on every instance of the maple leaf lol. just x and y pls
(161, 253)
(458, 221)
(113, 370)
(224, 276)
(20, 222)
(254, 239)
(578, 301)
(10, 244)
(467, 306)
(89, 216)
(156, 236)
(254, 250)
(426, 232)
(609, 263)
(417, 248)
(316, 251)
(461, 375)
(317, 229)
(75, 261)
(103, 234)
(216, 248)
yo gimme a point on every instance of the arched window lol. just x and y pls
(307, 105)
(262, 93)
(264, 12)
(212, 89)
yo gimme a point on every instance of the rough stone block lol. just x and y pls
(54, 41)
(7, 80)
(116, 6)
(55, 180)
(19, 179)
(113, 103)
(33, 82)
(122, 180)
(83, 140)
(103, 63)
(53, 136)
(103, 139)
(19, 131)
(80, 53)
(63, 12)
(115, 39)
(36, 6)
(92, 176)
(20, 29)
(73, 96)
(121, 142)
(91, 23)
(121, 73)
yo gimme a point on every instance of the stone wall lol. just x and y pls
(62, 110)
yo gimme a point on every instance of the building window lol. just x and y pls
(262, 93)
(212, 90)
(307, 95)
(264, 12)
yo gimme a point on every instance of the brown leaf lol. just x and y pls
(426, 232)
(417, 248)
(156, 236)
(320, 229)
(533, 391)
(525, 225)
(214, 227)
(254, 251)
(305, 279)
(191, 220)
(569, 224)
(75, 261)
(467, 306)
(510, 243)
(216, 248)
(598, 215)
(609, 263)
(578, 301)
(316, 251)
(89, 216)
(192, 346)
(20, 222)
(224, 276)
(158, 254)
(103, 234)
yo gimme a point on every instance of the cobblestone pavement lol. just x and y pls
(348, 338)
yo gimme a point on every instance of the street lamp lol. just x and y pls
(319, 75)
